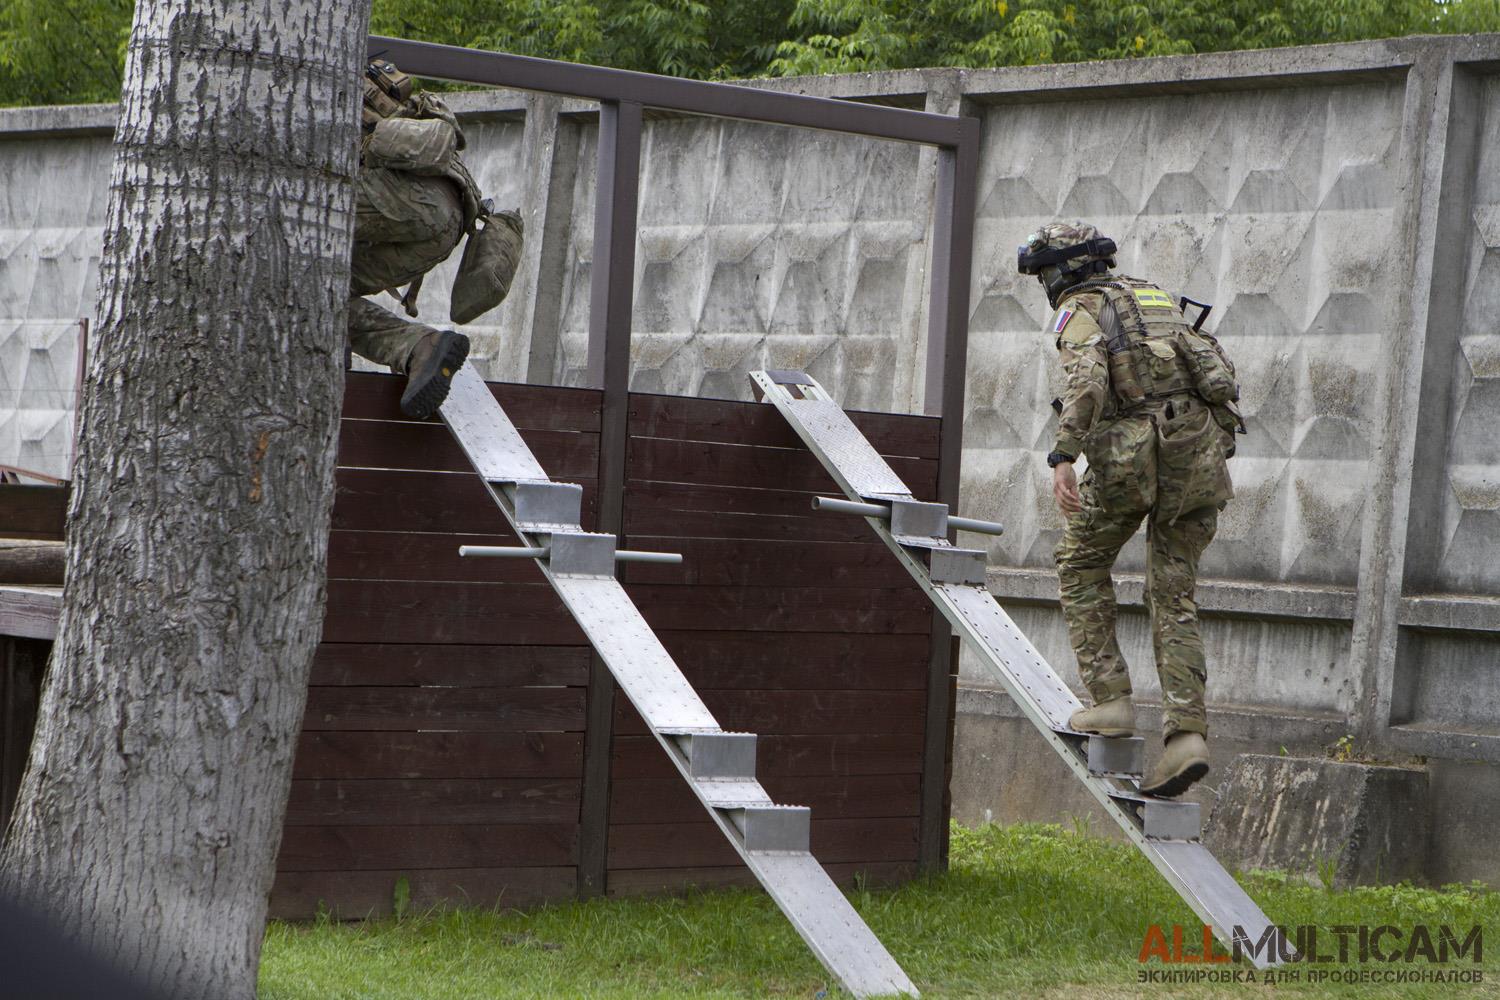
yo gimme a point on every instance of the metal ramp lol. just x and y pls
(1165, 831)
(719, 766)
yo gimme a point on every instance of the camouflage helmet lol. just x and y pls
(1062, 254)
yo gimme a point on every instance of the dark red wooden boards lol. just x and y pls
(445, 742)
(795, 625)
(444, 732)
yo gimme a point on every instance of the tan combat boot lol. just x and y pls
(429, 371)
(1108, 718)
(1184, 761)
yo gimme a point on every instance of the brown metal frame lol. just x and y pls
(622, 96)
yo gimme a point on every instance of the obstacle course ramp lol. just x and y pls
(719, 766)
(1166, 831)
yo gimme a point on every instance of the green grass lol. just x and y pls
(1025, 911)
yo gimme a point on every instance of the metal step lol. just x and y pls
(1117, 756)
(719, 766)
(1164, 831)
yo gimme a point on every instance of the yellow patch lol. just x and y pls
(1154, 298)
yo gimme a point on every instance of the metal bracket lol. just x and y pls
(914, 519)
(774, 828)
(788, 376)
(582, 553)
(1117, 756)
(541, 507)
(1163, 819)
(950, 565)
(719, 756)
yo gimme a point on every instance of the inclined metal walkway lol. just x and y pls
(1164, 830)
(719, 766)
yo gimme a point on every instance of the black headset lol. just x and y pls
(1033, 263)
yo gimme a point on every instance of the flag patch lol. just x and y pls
(1063, 316)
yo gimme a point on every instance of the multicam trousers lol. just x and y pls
(405, 225)
(1169, 471)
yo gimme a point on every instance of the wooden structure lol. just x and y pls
(456, 734)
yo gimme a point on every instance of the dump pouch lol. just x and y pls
(1210, 368)
(1190, 462)
(487, 267)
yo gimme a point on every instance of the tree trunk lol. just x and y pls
(150, 814)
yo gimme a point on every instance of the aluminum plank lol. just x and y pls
(491, 442)
(841, 445)
(633, 653)
(1011, 652)
(1213, 894)
(829, 924)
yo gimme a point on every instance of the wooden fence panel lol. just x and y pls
(444, 741)
(798, 626)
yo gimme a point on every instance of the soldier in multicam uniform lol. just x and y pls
(1150, 401)
(414, 202)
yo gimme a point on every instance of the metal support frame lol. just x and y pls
(1165, 831)
(623, 95)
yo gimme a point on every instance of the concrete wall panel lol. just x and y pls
(1279, 207)
(1340, 206)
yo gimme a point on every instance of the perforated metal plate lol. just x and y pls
(829, 925)
(860, 465)
(491, 442)
(992, 627)
(639, 662)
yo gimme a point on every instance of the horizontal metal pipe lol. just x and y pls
(505, 551)
(634, 555)
(851, 507)
(983, 527)
(884, 513)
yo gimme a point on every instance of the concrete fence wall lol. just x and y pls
(1340, 205)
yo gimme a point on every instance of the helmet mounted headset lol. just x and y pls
(1098, 253)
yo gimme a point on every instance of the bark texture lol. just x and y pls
(150, 814)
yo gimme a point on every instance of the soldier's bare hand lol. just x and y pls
(1065, 488)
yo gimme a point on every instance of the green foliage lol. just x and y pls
(894, 34)
(401, 897)
(678, 37)
(62, 51)
(56, 51)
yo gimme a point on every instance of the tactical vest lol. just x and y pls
(387, 94)
(1154, 353)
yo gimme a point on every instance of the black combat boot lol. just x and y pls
(430, 370)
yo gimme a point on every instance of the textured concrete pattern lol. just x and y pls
(1339, 205)
(52, 205)
(1290, 240)
(762, 247)
(1466, 559)
(1343, 822)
